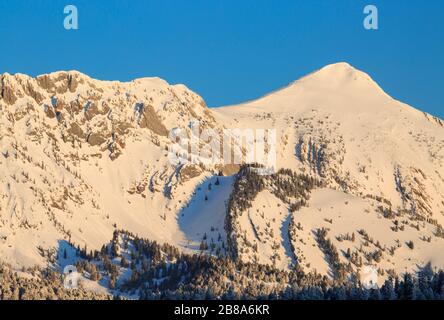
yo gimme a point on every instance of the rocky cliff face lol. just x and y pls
(61, 132)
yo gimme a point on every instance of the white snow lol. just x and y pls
(336, 124)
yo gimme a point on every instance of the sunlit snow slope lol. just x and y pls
(81, 157)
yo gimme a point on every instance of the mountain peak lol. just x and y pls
(340, 65)
(343, 69)
(340, 70)
(338, 76)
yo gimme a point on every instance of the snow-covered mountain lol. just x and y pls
(381, 161)
(359, 176)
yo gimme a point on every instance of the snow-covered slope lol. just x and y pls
(339, 126)
(82, 157)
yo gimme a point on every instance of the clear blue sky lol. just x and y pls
(229, 51)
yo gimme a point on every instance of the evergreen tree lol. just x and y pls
(388, 291)
(408, 287)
